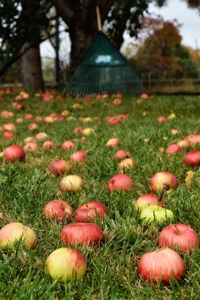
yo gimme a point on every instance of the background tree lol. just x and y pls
(162, 54)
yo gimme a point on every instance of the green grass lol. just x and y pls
(26, 187)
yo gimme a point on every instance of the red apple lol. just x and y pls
(14, 232)
(78, 156)
(162, 119)
(113, 142)
(174, 149)
(163, 182)
(161, 265)
(78, 129)
(8, 127)
(192, 158)
(113, 121)
(120, 182)
(125, 164)
(66, 264)
(59, 167)
(72, 183)
(33, 126)
(146, 200)
(31, 146)
(48, 120)
(8, 135)
(87, 212)
(82, 234)
(120, 154)
(117, 101)
(193, 139)
(28, 116)
(14, 153)
(67, 145)
(144, 96)
(49, 145)
(181, 236)
(58, 209)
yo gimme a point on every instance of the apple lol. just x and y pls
(72, 183)
(78, 129)
(161, 119)
(33, 126)
(174, 149)
(19, 120)
(181, 236)
(48, 120)
(125, 164)
(29, 139)
(156, 213)
(31, 146)
(8, 127)
(146, 200)
(41, 136)
(78, 156)
(161, 265)
(87, 212)
(58, 209)
(144, 96)
(88, 131)
(123, 116)
(113, 121)
(192, 158)
(120, 154)
(38, 118)
(14, 153)
(117, 101)
(120, 182)
(59, 167)
(49, 145)
(65, 113)
(8, 135)
(82, 234)
(163, 182)
(193, 139)
(175, 131)
(14, 232)
(66, 264)
(67, 145)
(113, 142)
(28, 116)
(183, 143)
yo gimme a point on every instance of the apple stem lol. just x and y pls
(165, 189)
(177, 230)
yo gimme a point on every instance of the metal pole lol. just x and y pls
(57, 65)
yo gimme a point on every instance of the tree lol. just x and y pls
(162, 54)
(80, 18)
(21, 28)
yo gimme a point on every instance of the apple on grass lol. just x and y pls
(72, 183)
(122, 154)
(162, 265)
(87, 212)
(67, 145)
(125, 164)
(192, 158)
(66, 264)
(163, 183)
(78, 156)
(13, 232)
(14, 153)
(82, 234)
(146, 200)
(59, 167)
(49, 145)
(113, 142)
(58, 209)
(31, 146)
(120, 182)
(174, 149)
(156, 213)
(181, 236)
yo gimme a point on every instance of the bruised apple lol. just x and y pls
(58, 209)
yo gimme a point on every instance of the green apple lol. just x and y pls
(156, 213)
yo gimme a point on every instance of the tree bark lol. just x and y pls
(31, 69)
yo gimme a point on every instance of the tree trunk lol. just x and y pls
(31, 69)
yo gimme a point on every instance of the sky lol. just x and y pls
(175, 9)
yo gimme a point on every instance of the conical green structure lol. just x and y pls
(104, 70)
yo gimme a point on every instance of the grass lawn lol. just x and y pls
(26, 187)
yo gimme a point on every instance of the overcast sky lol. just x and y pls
(175, 9)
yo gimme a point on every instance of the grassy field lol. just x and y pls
(25, 188)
